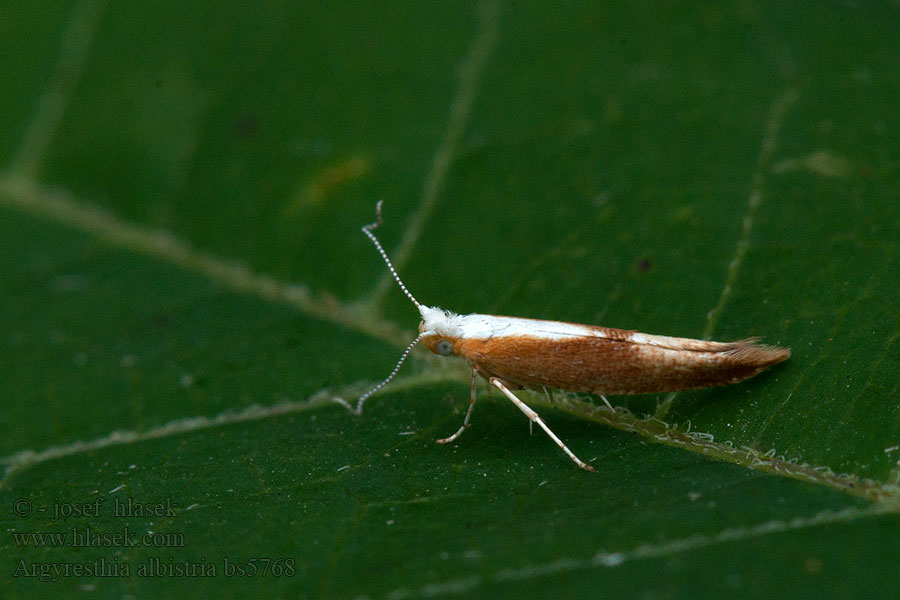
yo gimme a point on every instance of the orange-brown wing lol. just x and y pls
(618, 364)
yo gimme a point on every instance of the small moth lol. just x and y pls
(514, 353)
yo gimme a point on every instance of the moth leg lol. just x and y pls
(465, 425)
(608, 405)
(536, 419)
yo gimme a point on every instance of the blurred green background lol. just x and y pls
(185, 289)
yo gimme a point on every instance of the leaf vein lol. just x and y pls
(777, 111)
(460, 108)
(77, 39)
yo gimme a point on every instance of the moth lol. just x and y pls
(513, 353)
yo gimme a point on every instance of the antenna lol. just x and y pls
(367, 229)
(357, 410)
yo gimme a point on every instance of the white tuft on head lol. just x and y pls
(440, 321)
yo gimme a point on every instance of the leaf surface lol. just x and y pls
(185, 292)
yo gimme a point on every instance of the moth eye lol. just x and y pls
(444, 348)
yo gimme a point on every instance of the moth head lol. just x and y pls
(441, 345)
(439, 330)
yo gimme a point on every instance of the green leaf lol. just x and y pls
(185, 293)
